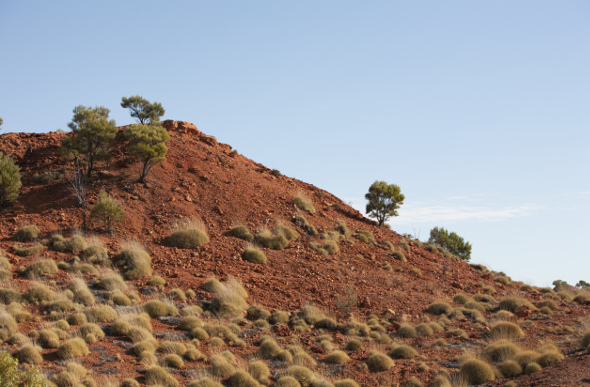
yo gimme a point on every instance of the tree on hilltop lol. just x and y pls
(451, 242)
(93, 134)
(145, 111)
(148, 144)
(1, 121)
(384, 200)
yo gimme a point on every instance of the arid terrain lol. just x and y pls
(321, 315)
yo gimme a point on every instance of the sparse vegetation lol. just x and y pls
(26, 233)
(241, 231)
(304, 203)
(254, 255)
(107, 210)
(383, 201)
(450, 242)
(188, 234)
(136, 261)
(9, 180)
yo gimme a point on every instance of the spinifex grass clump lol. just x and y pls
(188, 234)
(254, 255)
(241, 231)
(135, 260)
(278, 238)
(25, 251)
(230, 299)
(301, 221)
(39, 268)
(304, 203)
(477, 371)
(26, 233)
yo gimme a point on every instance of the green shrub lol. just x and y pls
(337, 357)
(29, 354)
(407, 331)
(354, 345)
(302, 222)
(77, 319)
(424, 329)
(500, 350)
(287, 381)
(25, 251)
(272, 240)
(157, 281)
(259, 371)
(9, 180)
(510, 368)
(156, 375)
(220, 367)
(438, 308)
(173, 360)
(268, 349)
(241, 378)
(204, 382)
(254, 255)
(92, 330)
(256, 313)
(366, 237)
(326, 248)
(378, 362)
(304, 203)
(39, 293)
(450, 242)
(303, 375)
(399, 256)
(157, 308)
(188, 323)
(532, 368)
(477, 371)
(229, 300)
(48, 338)
(95, 253)
(512, 303)
(119, 298)
(550, 357)
(39, 268)
(177, 294)
(26, 233)
(413, 382)
(102, 313)
(461, 299)
(72, 349)
(8, 296)
(279, 317)
(112, 281)
(137, 262)
(403, 352)
(188, 234)
(8, 325)
(506, 330)
(241, 231)
(440, 381)
(107, 210)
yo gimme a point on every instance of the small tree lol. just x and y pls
(78, 188)
(147, 143)
(1, 121)
(93, 133)
(583, 285)
(451, 242)
(142, 109)
(9, 180)
(107, 210)
(12, 376)
(384, 200)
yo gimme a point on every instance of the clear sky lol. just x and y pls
(478, 110)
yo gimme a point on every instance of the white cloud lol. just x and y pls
(456, 208)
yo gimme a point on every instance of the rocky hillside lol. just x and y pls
(363, 282)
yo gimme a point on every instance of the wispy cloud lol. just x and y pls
(456, 208)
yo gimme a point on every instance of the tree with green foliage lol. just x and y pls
(583, 285)
(145, 111)
(148, 144)
(107, 209)
(1, 121)
(451, 242)
(384, 200)
(9, 180)
(12, 376)
(93, 134)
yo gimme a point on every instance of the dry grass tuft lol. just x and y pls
(188, 234)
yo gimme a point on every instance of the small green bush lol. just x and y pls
(256, 313)
(441, 381)
(532, 368)
(302, 374)
(188, 234)
(39, 268)
(254, 255)
(403, 352)
(477, 371)
(29, 354)
(112, 281)
(220, 367)
(25, 251)
(26, 233)
(259, 371)
(506, 330)
(378, 362)
(136, 260)
(287, 381)
(241, 378)
(39, 293)
(107, 210)
(241, 231)
(327, 247)
(366, 237)
(173, 360)
(461, 299)
(510, 368)
(337, 357)
(156, 308)
(102, 313)
(272, 240)
(9, 180)
(512, 303)
(72, 349)
(406, 331)
(438, 308)
(424, 329)
(550, 357)
(354, 345)
(302, 222)
(304, 203)
(500, 350)
(156, 375)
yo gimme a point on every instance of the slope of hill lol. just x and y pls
(387, 283)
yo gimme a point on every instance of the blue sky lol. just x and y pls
(478, 110)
